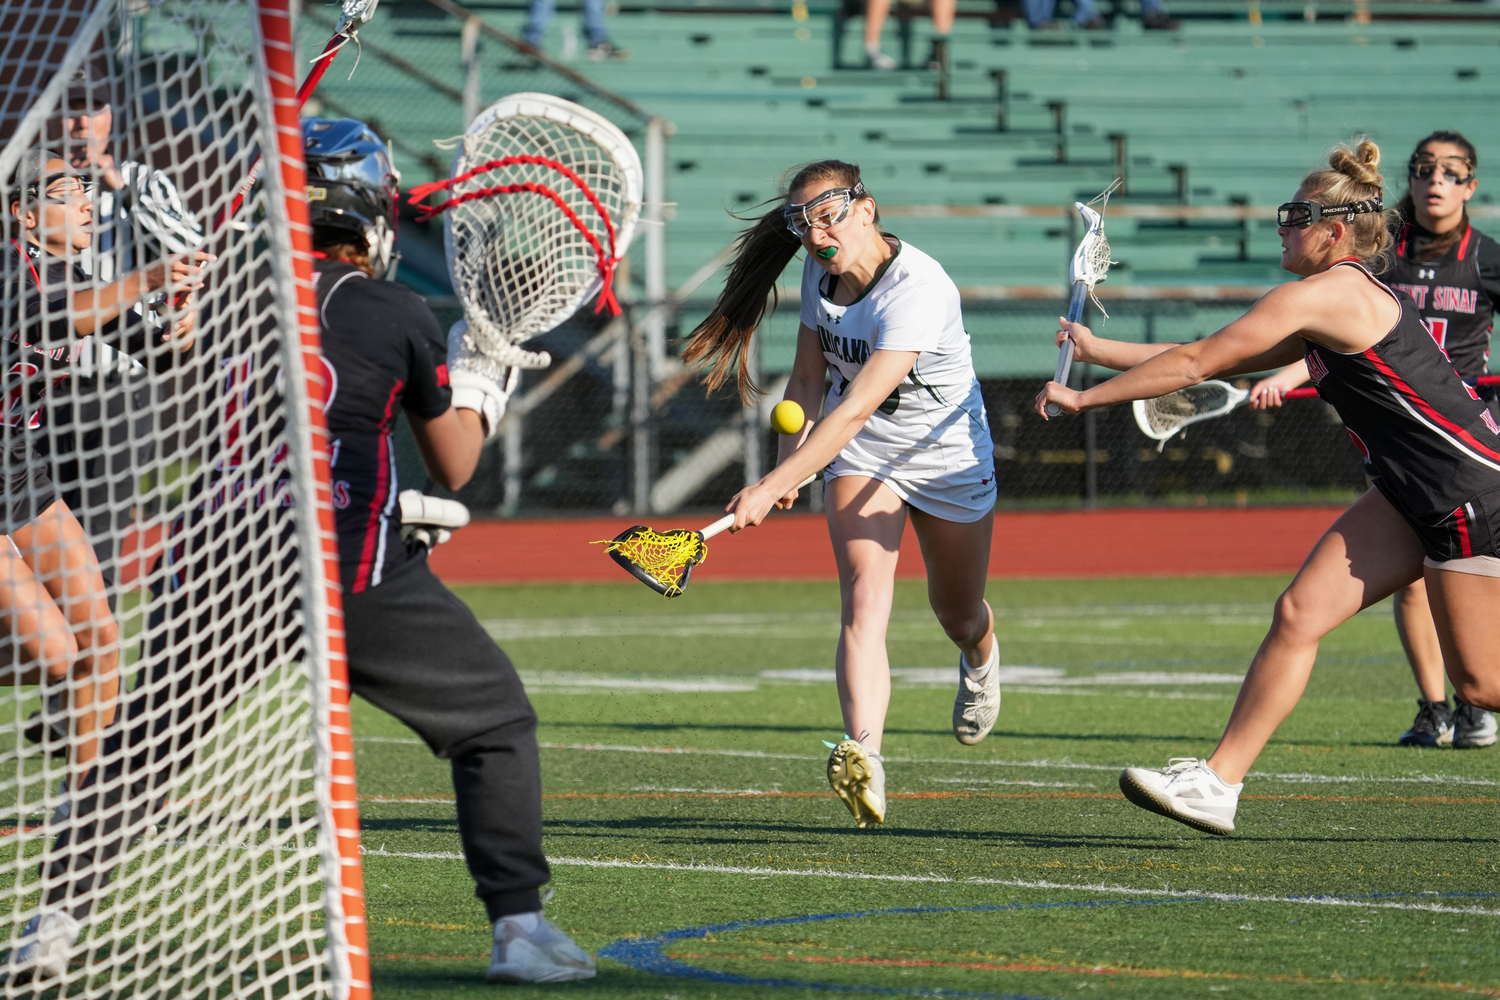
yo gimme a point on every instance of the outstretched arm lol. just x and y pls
(1121, 355)
(1265, 337)
(876, 380)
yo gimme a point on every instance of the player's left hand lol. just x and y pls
(1070, 401)
(184, 330)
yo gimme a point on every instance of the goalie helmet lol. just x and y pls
(352, 188)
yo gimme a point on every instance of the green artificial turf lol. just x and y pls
(683, 769)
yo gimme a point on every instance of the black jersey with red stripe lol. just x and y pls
(1429, 440)
(386, 354)
(1456, 292)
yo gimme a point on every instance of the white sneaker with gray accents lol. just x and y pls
(1188, 791)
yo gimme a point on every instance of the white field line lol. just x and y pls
(1223, 897)
(1294, 778)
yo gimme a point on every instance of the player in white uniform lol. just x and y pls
(902, 433)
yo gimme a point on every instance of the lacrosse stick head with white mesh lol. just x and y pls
(542, 204)
(1090, 264)
(1164, 416)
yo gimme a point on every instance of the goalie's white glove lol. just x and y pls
(478, 383)
(430, 521)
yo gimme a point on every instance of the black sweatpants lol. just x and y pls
(417, 651)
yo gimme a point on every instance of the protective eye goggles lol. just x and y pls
(1297, 214)
(61, 188)
(1458, 169)
(827, 209)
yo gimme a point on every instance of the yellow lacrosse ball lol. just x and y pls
(787, 417)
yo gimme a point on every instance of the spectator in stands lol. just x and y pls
(539, 15)
(1086, 14)
(878, 11)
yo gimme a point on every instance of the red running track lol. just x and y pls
(1126, 542)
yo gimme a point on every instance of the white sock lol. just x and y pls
(872, 48)
(979, 673)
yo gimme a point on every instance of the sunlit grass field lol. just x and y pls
(697, 849)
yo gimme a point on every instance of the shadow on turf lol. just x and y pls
(820, 731)
(692, 830)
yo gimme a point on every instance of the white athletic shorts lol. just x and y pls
(963, 496)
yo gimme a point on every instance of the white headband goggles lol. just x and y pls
(827, 209)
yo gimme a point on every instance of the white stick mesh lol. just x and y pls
(156, 577)
(1164, 416)
(520, 264)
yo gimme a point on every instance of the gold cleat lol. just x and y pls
(858, 777)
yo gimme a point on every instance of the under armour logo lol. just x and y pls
(1426, 272)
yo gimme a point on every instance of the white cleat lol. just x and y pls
(529, 948)
(858, 777)
(1188, 791)
(45, 947)
(978, 703)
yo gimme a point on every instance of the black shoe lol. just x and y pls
(1095, 23)
(1473, 727)
(1160, 22)
(1433, 726)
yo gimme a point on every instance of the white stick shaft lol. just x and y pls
(724, 522)
(1065, 352)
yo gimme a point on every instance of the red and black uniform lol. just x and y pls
(1456, 293)
(1430, 443)
(415, 649)
(386, 354)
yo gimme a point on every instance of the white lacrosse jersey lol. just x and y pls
(934, 423)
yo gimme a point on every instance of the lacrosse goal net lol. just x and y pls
(210, 847)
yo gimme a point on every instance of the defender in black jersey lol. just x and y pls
(1451, 271)
(1433, 512)
(414, 648)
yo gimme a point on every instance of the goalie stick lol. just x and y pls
(1089, 266)
(539, 211)
(354, 15)
(1165, 416)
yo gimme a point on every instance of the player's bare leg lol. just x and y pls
(1420, 640)
(1369, 553)
(1463, 607)
(865, 522)
(957, 555)
(59, 555)
(1434, 722)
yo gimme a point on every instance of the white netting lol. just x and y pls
(163, 838)
(1164, 416)
(532, 240)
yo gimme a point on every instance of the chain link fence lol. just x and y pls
(600, 432)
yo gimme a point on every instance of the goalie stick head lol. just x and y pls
(542, 204)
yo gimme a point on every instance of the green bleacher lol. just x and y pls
(1221, 112)
(1241, 110)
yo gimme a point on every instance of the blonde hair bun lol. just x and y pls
(1360, 164)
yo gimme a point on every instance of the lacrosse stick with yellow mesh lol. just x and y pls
(1089, 267)
(543, 201)
(664, 560)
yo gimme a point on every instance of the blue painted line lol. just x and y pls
(645, 954)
